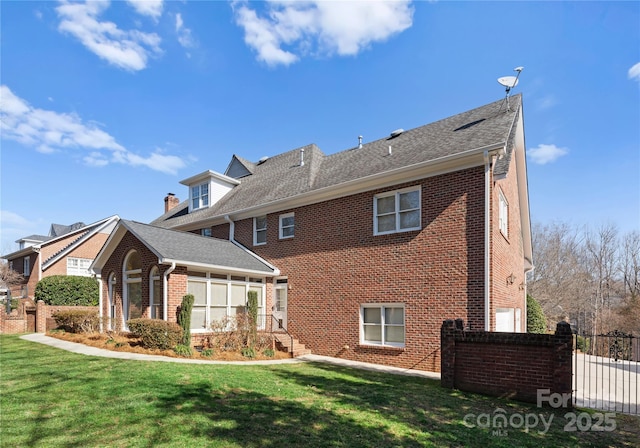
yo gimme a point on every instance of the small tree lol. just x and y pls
(8, 276)
(184, 319)
(252, 311)
(536, 320)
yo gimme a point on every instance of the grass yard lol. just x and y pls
(53, 398)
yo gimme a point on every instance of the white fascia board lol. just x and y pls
(435, 167)
(22, 252)
(215, 267)
(206, 175)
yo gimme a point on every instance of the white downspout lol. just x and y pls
(488, 164)
(232, 227)
(99, 278)
(165, 290)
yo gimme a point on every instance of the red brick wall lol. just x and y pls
(513, 365)
(88, 249)
(335, 263)
(44, 314)
(507, 251)
(177, 279)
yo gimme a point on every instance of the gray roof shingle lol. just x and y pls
(192, 248)
(282, 177)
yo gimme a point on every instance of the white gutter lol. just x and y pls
(165, 290)
(489, 158)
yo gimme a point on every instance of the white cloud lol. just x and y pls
(320, 27)
(48, 131)
(128, 50)
(151, 8)
(184, 33)
(543, 154)
(13, 219)
(634, 72)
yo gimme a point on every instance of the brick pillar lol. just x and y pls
(448, 353)
(41, 317)
(563, 360)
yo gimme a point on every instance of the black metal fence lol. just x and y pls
(607, 372)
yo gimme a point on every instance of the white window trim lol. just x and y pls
(280, 227)
(397, 194)
(382, 306)
(78, 270)
(125, 290)
(153, 277)
(503, 214)
(255, 230)
(201, 204)
(208, 280)
(112, 304)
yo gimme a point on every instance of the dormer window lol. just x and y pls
(199, 196)
(207, 188)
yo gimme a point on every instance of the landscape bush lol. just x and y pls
(234, 333)
(67, 290)
(156, 333)
(536, 320)
(77, 321)
(184, 318)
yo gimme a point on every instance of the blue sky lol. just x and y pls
(106, 106)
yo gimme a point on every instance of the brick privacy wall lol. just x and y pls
(44, 314)
(513, 365)
(507, 251)
(177, 283)
(13, 323)
(335, 263)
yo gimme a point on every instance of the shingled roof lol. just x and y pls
(283, 177)
(186, 248)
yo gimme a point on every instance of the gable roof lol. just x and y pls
(283, 181)
(186, 249)
(57, 230)
(83, 231)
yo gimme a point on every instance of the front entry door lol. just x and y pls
(279, 321)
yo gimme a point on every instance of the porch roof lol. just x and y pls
(187, 249)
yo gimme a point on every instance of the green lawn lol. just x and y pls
(52, 398)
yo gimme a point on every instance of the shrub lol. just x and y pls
(67, 290)
(184, 318)
(231, 333)
(248, 352)
(156, 333)
(582, 344)
(269, 353)
(536, 320)
(183, 350)
(206, 353)
(252, 314)
(77, 321)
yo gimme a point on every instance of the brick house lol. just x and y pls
(66, 250)
(359, 254)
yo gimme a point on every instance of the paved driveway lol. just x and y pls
(606, 384)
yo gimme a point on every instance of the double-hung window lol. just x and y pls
(199, 196)
(503, 214)
(259, 230)
(78, 266)
(397, 211)
(287, 225)
(382, 324)
(26, 267)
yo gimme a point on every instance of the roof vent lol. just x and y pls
(359, 141)
(263, 159)
(397, 132)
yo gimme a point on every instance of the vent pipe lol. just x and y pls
(359, 141)
(301, 156)
(390, 150)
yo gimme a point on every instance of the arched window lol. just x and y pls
(132, 286)
(111, 322)
(155, 296)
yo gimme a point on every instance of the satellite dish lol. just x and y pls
(509, 82)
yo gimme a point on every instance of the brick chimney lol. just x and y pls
(170, 201)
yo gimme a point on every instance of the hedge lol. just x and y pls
(77, 321)
(156, 333)
(67, 290)
(536, 320)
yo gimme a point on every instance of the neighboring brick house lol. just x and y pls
(67, 250)
(362, 253)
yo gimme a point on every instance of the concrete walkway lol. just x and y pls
(94, 351)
